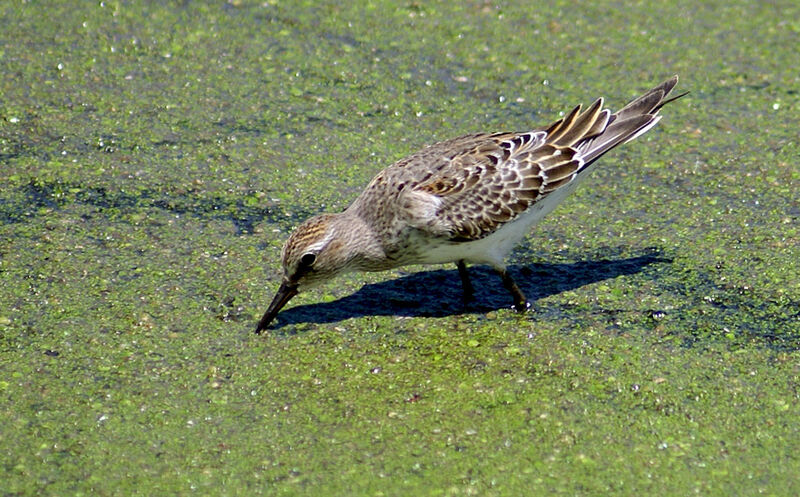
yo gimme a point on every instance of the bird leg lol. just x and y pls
(466, 284)
(521, 304)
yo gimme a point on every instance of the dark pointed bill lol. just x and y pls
(285, 292)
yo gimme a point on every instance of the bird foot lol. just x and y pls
(521, 306)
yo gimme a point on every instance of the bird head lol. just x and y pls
(315, 252)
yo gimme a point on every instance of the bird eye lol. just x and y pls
(308, 259)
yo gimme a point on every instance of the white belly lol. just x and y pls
(494, 248)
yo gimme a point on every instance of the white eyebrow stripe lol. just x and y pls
(320, 244)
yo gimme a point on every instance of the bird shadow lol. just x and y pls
(438, 293)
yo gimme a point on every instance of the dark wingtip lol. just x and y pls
(676, 97)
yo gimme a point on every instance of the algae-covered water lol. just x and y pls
(154, 157)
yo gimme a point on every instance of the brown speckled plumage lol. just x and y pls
(471, 198)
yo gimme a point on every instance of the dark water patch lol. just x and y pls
(715, 309)
(236, 125)
(696, 307)
(302, 125)
(23, 203)
(10, 154)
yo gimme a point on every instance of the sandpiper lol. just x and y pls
(468, 199)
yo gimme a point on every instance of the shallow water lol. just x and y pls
(153, 159)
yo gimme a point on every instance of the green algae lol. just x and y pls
(154, 157)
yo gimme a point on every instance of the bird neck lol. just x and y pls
(357, 237)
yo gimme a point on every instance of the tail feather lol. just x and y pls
(563, 125)
(620, 131)
(595, 132)
(588, 123)
(650, 102)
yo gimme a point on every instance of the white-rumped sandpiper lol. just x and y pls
(469, 199)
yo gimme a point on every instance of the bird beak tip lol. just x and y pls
(282, 296)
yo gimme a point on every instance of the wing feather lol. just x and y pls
(477, 183)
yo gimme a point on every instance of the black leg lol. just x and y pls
(466, 284)
(520, 302)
